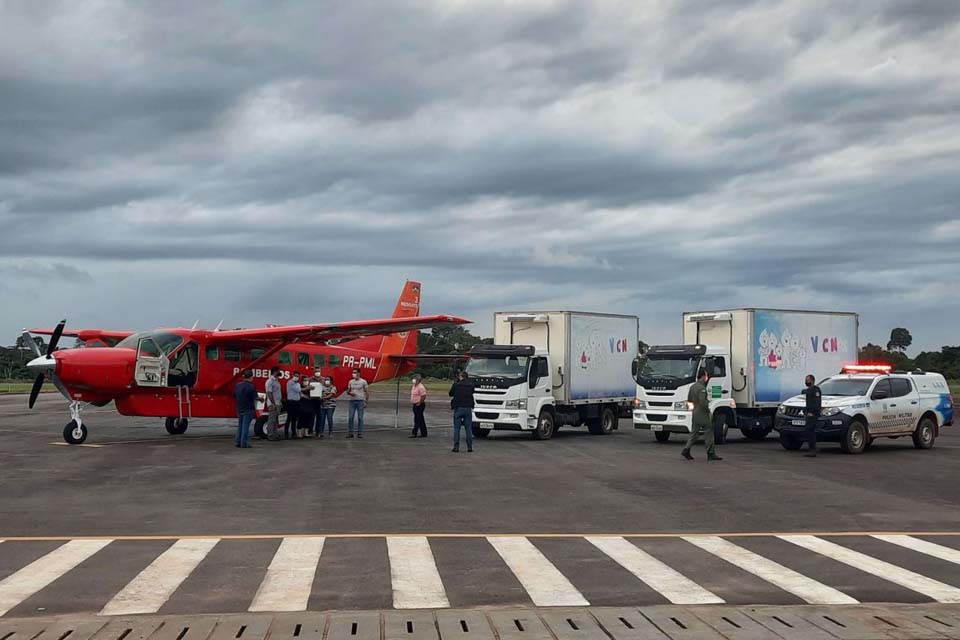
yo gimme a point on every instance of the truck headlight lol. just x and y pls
(517, 404)
(639, 404)
(830, 411)
(681, 406)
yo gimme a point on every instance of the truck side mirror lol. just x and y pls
(635, 367)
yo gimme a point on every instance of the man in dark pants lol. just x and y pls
(246, 396)
(812, 414)
(462, 405)
(418, 400)
(699, 401)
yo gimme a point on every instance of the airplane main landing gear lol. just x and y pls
(75, 432)
(176, 426)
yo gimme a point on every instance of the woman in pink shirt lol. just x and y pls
(418, 399)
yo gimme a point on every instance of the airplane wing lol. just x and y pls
(87, 334)
(333, 331)
(430, 357)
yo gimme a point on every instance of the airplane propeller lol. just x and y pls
(44, 363)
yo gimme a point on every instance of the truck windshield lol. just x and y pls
(667, 371)
(845, 387)
(504, 367)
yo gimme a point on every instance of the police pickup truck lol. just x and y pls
(866, 402)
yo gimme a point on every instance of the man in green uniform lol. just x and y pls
(699, 398)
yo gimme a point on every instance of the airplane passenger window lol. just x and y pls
(334, 361)
(286, 358)
(319, 360)
(303, 359)
(213, 353)
(149, 348)
(232, 354)
(256, 354)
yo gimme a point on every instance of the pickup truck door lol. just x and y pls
(906, 401)
(881, 415)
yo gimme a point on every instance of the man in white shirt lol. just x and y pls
(358, 393)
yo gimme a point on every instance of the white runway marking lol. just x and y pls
(19, 586)
(670, 583)
(898, 575)
(546, 586)
(414, 577)
(787, 579)
(929, 548)
(289, 578)
(153, 586)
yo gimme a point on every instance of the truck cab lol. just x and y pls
(865, 402)
(664, 375)
(513, 388)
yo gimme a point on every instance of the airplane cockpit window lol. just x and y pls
(168, 342)
(184, 366)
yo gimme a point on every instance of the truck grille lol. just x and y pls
(495, 403)
(657, 417)
(486, 415)
(665, 405)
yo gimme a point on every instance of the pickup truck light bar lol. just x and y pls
(866, 368)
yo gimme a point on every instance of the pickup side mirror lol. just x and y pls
(880, 394)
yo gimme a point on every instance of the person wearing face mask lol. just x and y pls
(310, 403)
(357, 391)
(291, 429)
(274, 404)
(418, 400)
(328, 404)
(811, 413)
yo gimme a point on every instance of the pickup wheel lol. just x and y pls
(545, 426)
(924, 436)
(661, 436)
(855, 440)
(606, 424)
(480, 433)
(790, 443)
(259, 427)
(720, 427)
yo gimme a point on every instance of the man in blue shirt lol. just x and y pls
(246, 396)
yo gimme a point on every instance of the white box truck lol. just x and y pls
(547, 369)
(757, 359)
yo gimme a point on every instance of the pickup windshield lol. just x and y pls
(845, 387)
(667, 371)
(502, 367)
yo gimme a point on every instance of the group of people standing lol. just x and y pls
(311, 402)
(310, 405)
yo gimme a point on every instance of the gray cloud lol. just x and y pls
(175, 160)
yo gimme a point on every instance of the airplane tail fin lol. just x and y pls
(394, 344)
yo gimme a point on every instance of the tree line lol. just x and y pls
(945, 361)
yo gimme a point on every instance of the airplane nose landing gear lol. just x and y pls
(75, 432)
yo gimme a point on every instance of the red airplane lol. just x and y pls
(179, 374)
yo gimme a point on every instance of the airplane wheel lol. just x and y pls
(75, 433)
(258, 427)
(176, 426)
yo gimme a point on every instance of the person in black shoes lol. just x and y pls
(811, 413)
(418, 400)
(462, 405)
(699, 400)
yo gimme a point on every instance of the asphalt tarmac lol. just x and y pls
(136, 521)
(135, 479)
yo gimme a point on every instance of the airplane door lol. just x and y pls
(152, 365)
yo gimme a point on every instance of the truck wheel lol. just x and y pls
(661, 436)
(480, 433)
(545, 426)
(176, 426)
(258, 427)
(855, 440)
(74, 433)
(924, 436)
(756, 433)
(790, 443)
(720, 427)
(606, 424)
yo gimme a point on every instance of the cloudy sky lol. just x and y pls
(288, 161)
